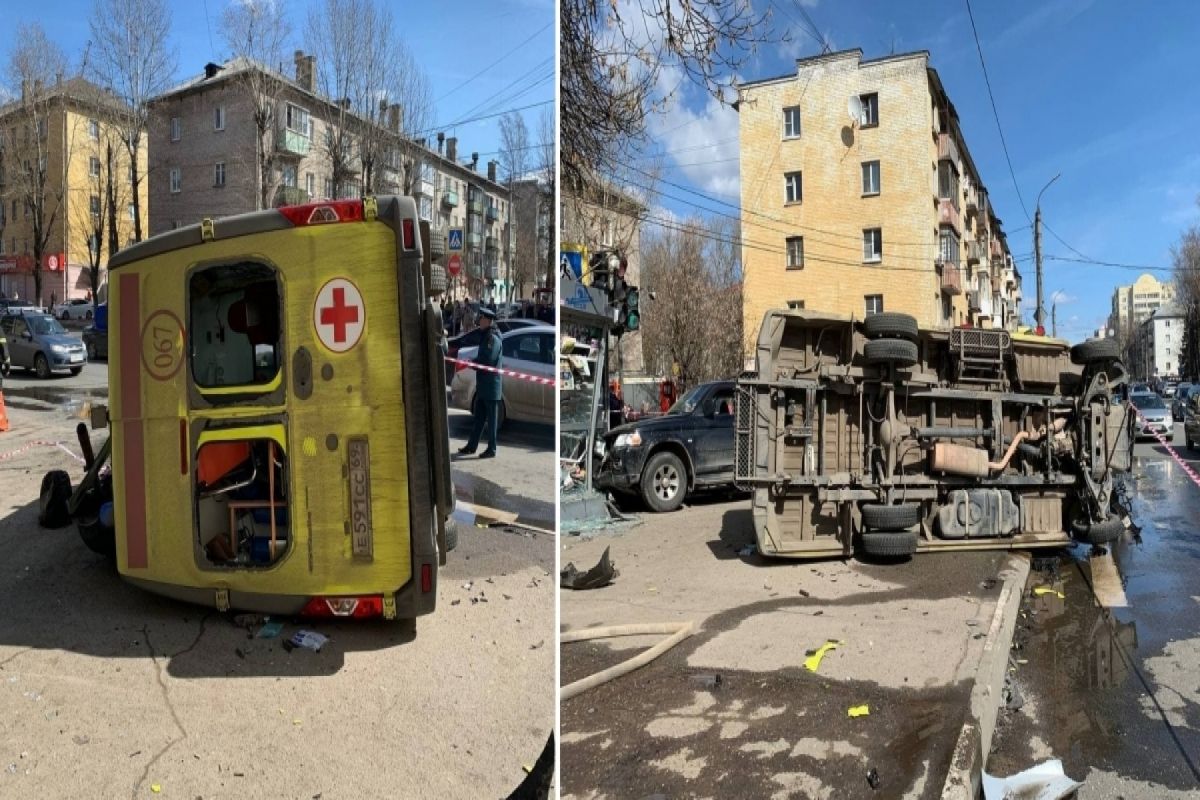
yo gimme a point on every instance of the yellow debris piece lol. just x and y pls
(858, 711)
(154, 787)
(1041, 590)
(812, 662)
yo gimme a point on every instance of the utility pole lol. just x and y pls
(1054, 319)
(1039, 315)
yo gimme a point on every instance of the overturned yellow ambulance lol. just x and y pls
(279, 439)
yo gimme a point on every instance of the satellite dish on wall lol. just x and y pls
(854, 109)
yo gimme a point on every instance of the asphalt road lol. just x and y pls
(107, 691)
(1114, 689)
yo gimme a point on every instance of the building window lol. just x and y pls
(874, 304)
(94, 167)
(176, 128)
(297, 119)
(426, 210)
(219, 174)
(793, 189)
(796, 305)
(132, 211)
(947, 307)
(795, 252)
(949, 247)
(870, 109)
(174, 180)
(289, 175)
(219, 118)
(870, 177)
(329, 188)
(310, 184)
(948, 181)
(872, 245)
(791, 122)
(94, 205)
(94, 130)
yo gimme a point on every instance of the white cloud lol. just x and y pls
(701, 145)
(1062, 298)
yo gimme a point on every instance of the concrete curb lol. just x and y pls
(975, 740)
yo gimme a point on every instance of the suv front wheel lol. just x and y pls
(664, 482)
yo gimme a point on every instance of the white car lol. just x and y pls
(74, 309)
(530, 350)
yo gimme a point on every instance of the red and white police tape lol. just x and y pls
(1183, 464)
(40, 443)
(510, 373)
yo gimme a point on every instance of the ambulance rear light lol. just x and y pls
(410, 234)
(322, 213)
(356, 607)
(426, 578)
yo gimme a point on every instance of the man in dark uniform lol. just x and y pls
(487, 387)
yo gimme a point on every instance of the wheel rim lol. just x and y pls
(41, 367)
(666, 482)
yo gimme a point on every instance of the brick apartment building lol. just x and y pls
(858, 195)
(204, 163)
(69, 133)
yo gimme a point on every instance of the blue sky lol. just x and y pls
(1103, 91)
(454, 40)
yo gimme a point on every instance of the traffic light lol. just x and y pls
(632, 314)
(598, 271)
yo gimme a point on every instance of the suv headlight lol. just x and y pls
(628, 440)
(60, 348)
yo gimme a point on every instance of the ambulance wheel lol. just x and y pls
(451, 535)
(52, 504)
(99, 539)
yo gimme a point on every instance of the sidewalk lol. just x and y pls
(914, 637)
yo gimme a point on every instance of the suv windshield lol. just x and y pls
(1147, 401)
(687, 403)
(43, 325)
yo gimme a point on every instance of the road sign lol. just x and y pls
(454, 266)
(339, 315)
(454, 240)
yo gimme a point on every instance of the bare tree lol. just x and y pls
(514, 145)
(381, 93)
(97, 203)
(523, 205)
(259, 31)
(695, 320)
(131, 57)
(36, 65)
(611, 64)
(1186, 257)
(548, 170)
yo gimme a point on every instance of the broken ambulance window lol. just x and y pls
(234, 331)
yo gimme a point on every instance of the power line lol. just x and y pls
(433, 128)
(995, 113)
(494, 63)
(1139, 267)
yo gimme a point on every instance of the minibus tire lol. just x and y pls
(99, 539)
(1098, 533)
(879, 517)
(451, 534)
(52, 502)
(437, 279)
(892, 325)
(900, 352)
(889, 544)
(1095, 351)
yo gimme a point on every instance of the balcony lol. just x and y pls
(973, 302)
(493, 213)
(976, 251)
(290, 142)
(948, 148)
(997, 249)
(450, 199)
(474, 241)
(475, 207)
(951, 280)
(492, 243)
(948, 214)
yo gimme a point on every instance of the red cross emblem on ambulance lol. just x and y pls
(339, 315)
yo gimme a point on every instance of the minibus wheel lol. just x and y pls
(52, 504)
(451, 534)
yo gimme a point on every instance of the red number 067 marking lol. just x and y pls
(162, 345)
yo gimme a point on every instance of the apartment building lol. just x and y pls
(1155, 351)
(1133, 304)
(206, 162)
(859, 195)
(61, 154)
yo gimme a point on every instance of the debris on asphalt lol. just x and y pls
(80, 740)
(1046, 781)
(154, 787)
(710, 681)
(873, 778)
(814, 656)
(604, 573)
(309, 639)
(269, 630)
(858, 711)
(1041, 590)
(248, 620)
(1011, 694)
(748, 550)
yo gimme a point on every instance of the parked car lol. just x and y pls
(1191, 419)
(667, 458)
(74, 309)
(40, 343)
(1153, 416)
(1140, 388)
(1180, 398)
(473, 337)
(95, 341)
(529, 350)
(1169, 388)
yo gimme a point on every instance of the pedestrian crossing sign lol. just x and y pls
(455, 239)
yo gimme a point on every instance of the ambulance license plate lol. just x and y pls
(361, 535)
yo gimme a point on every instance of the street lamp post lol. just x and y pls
(1039, 315)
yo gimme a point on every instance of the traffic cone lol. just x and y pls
(3, 414)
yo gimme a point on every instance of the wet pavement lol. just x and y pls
(1115, 692)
